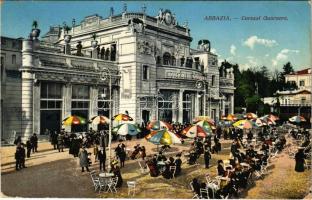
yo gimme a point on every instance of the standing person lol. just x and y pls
(83, 158)
(60, 142)
(299, 157)
(34, 142)
(207, 156)
(28, 147)
(54, 139)
(18, 140)
(18, 156)
(178, 163)
(23, 156)
(143, 152)
(101, 156)
(96, 153)
(123, 155)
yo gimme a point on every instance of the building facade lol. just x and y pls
(11, 84)
(294, 102)
(127, 62)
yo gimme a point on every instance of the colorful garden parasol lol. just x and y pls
(268, 120)
(231, 117)
(163, 137)
(74, 120)
(297, 119)
(194, 131)
(243, 124)
(251, 115)
(158, 125)
(206, 125)
(122, 117)
(99, 120)
(204, 118)
(259, 122)
(126, 129)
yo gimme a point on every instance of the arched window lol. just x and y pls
(167, 58)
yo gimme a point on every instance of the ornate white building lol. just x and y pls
(147, 61)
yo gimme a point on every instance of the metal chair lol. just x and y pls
(111, 185)
(131, 187)
(95, 180)
(204, 193)
(143, 170)
(173, 170)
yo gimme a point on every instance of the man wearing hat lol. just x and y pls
(299, 157)
(102, 158)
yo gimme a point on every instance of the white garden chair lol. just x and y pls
(111, 185)
(131, 187)
(95, 180)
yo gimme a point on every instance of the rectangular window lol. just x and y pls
(303, 100)
(13, 59)
(197, 62)
(51, 90)
(80, 92)
(213, 77)
(145, 72)
(301, 83)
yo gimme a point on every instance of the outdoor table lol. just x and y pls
(106, 175)
(161, 165)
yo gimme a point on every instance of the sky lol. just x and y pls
(249, 43)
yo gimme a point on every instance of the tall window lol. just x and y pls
(50, 106)
(80, 104)
(213, 77)
(145, 72)
(196, 62)
(13, 59)
(301, 83)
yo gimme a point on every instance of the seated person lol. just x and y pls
(196, 185)
(154, 172)
(220, 168)
(161, 157)
(168, 173)
(137, 149)
(250, 152)
(193, 158)
(116, 171)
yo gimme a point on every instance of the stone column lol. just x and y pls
(66, 111)
(27, 105)
(180, 115)
(232, 103)
(196, 104)
(175, 107)
(93, 108)
(36, 108)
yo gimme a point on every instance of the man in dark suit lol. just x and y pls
(18, 157)
(207, 156)
(29, 147)
(34, 142)
(23, 157)
(102, 158)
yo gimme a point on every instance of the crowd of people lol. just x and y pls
(21, 153)
(248, 155)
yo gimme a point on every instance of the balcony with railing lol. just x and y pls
(226, 82)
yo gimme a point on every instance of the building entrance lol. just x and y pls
(51, 120)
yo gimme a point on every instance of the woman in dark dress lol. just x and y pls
(196, 185)
(299, 157)
(220, 168)
(116, 171)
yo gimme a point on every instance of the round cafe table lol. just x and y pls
(106, 175)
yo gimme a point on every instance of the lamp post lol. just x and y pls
(106, 73)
